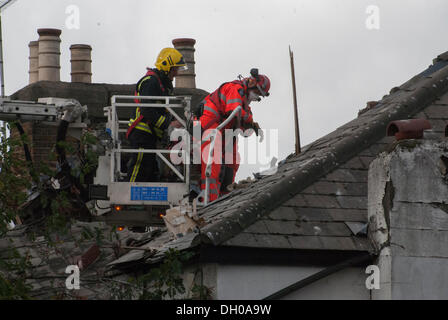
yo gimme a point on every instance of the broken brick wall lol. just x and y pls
(408, 220)
(41, 140)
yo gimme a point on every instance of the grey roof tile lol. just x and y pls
(309, 190)
(257, 227)
(314, 214)
(374, 149)
(323, 188)
(322, 214)
(420, 115)
(349, 215)
(329, 243)
(282, 227)
(352, 202)
(443, 100)
(346, 243)
(250, 240)
(320, 201)
(297, 201)
(366, 160)
(437, 112)
(306, 242)
(354, 189)
(283, 213)
(438, 125)
(242, 238)
(356, 227)
(354, 163)
(340, 188)
(336, 229)
(347, 175)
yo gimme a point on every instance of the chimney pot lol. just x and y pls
(49, 32)
(49, 54)
(181, 42)
(186, 79)
(81, 63)
(34, 61)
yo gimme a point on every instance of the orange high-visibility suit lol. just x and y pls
(217, 106)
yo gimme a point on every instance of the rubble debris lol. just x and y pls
(240, 184)
(89, 257)
(182, 220)
(370, 106)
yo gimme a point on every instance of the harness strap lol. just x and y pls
(139, 116)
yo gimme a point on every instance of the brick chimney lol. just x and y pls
(49, 54)
(81, 63)
(34, 61)
(186, 79)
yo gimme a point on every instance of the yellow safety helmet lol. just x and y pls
(169, 58)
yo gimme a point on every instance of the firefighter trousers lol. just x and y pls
(223, 172)
(142, 167)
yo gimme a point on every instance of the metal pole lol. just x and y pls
(212, 137)
(3, 5)
(1, 58)
(296, 117)
(2, 79)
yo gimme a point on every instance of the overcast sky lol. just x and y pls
(340, 62)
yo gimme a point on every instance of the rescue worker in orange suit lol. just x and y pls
(216, 107)
(149, 123)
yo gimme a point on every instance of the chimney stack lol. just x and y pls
(186, 79)
(49, 54)
(34, 61)
(81, 62)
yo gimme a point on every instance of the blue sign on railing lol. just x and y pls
(149, 193)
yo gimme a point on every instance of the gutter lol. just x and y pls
(320, 275)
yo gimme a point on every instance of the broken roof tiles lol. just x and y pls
(317, 200)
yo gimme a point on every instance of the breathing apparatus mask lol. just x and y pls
(253, 96)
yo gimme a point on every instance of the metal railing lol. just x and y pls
(212, 138)
(114, 125)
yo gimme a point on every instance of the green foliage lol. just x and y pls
(90, 155)
(164, 282)
(15, 179)
(14, 287)
(201, 292)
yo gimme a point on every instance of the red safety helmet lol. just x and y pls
(259, 81)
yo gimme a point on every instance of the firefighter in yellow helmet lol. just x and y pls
(150, 123)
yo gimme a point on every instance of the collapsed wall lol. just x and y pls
(408, 220)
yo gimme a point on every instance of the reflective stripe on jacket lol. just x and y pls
(137, 123)
(222, 102)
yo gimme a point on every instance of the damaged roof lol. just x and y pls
(316, 200)
(88, 245)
